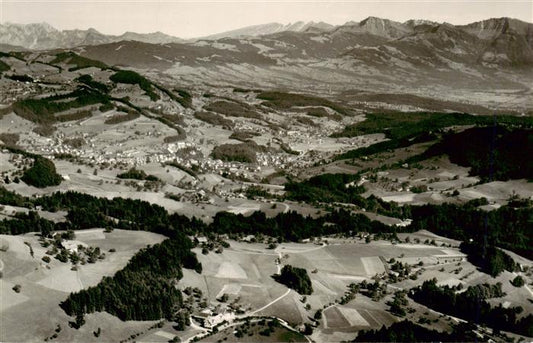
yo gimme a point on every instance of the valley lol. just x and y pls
(155, 189)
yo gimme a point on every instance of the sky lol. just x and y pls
(189, 19)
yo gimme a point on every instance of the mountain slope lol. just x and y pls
(377, 27)
(506, 41)
(373, 43)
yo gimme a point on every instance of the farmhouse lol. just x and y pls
(72, 246)
(207, 320)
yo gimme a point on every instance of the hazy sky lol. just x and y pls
(197, 18)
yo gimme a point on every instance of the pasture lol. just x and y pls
(44, 285)
(244, 273)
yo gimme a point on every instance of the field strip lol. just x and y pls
(418, 246)
(440, 265)
(337, 319)
(400, 198)
(256, 270)
(373, 318)
(228, 270)
(385, 264)
(324, 315)
(62, 279)
(90, 234)
(79, 279)
(13, 299)
(273, 301)
(353, 316)
(458, 255)
(528, 289)
(165, 334)
(450, 252)
(232, 288)
(372, 265)
(324, 319)
(348, 277)
(243, 209)
(251, 252)
(320, 286)
(81, 232)
(303, 251)
(209, 290)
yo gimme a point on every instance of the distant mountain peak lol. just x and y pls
(377, 26)
(420, 22)
(371, 31)
(41, 36)
(271, 28)
(372, 19)
(493, 27)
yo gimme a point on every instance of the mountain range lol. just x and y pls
(266, 29)
(44, 36)
(372, 43)
(375, 53)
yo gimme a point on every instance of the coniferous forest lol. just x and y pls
(471, 305)
(409, 332)
(144, 289)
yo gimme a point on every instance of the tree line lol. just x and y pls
(488, 258)
(295, 278)
(406, 331)
(508, 227)
(494, 152)
(341, 188)
(85, 211)
(463, 222)
(472, 305)
(406, 129)
(292, 226)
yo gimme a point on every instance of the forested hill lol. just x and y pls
(144, 289)
(150, 274)
(493, 153)
(462, 222)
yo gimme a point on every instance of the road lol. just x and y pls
(252, 313)
(237, 322)
(267, 305)
(324, 319)
(240, 317)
